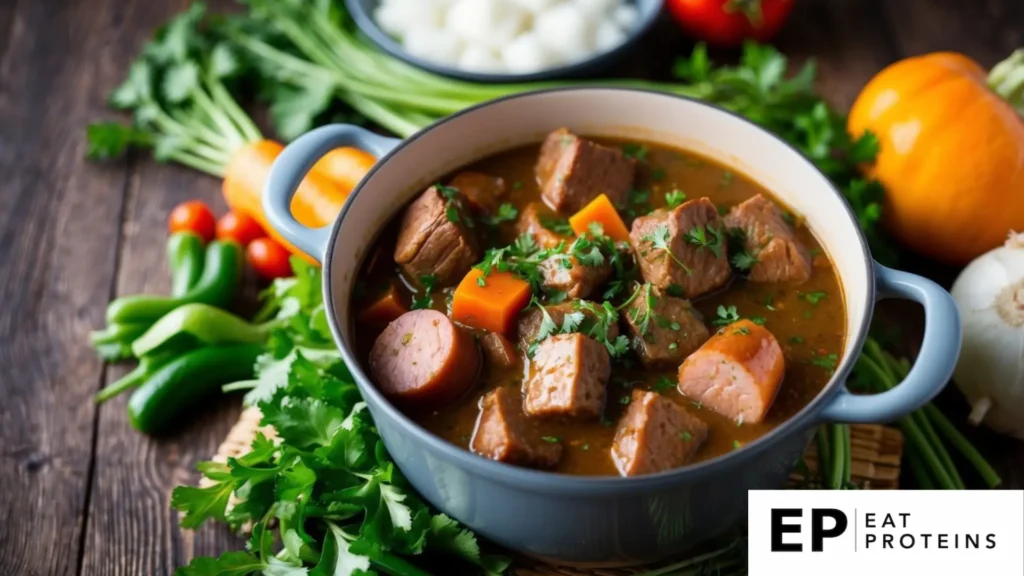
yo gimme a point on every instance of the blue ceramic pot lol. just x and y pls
(606, 520)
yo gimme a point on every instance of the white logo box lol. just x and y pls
(898, 532)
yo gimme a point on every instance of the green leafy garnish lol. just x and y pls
(659, 241)
(522, 258)
(675, 198)
(769, 302)
(606, 317)
(727, 178)
(827, 361)
(726, 316)
(664, 384)
(453, 207)
(426, 298)
(759, 320)
(634, 151)
(710, 240)
(742, 331)
(658, 175)
(551, 439)
(813, 297)
(506, 213)
(325, 488)
(557, 225)
(797, 340)
(743, 260)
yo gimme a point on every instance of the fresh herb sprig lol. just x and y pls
(325, 489)
(522, 258)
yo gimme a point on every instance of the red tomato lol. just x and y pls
(194, 216)
(239, 227)
(268, 258)
(727, 23)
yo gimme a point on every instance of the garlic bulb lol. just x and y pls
(989, 294)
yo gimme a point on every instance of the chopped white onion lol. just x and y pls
(525, 55)
(478, 59)
(608, 36)
(563, 31)
(433, 44)
(487, 23)
(626, 16)
(534, 6)
(516, 36)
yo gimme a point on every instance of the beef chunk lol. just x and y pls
(483, 192)
(531, 222)
(572, 171)
(567, 377)
(655, 434)
(531, 319)
(668, 254)
(435, 239)
(769, 239)
(499, 351)
(502, 433)
(665, 329)
(567, 274)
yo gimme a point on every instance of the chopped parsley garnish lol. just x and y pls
(426, 300)
(759, 320)
(813, 297)
(624, 400)
(634, 151)
(796, 340)
(673, 346)
(606, 317)
(742, 331)
(739, 421)
(517, 185)
(727, 178)
(788, 218)
(643, 321)
(522, 258)
(406, 338)
(769, 303)
(697, 404)
(658, 175)
(726, 316)
(453, 204)
(639, 196)
(685, 436)
(664, 384)
(556, 296)
(675, 290)
(506, 213)
(735, 444)
(551, 439)
(815, 252)
(586, 447)
(743, 260)
(711, 239)
(659, 240)
(722, 209)
(807, 314)
(675, 198)
(828, 362)
(663, 322)
(557, 225)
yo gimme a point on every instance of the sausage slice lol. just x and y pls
(567, 377)
(424, 358)
(736, 373)
(503, 434)
(655, 434)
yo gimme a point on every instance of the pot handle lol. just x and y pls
(291, 167)
(934, 366)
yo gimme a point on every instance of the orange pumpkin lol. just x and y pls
(952, 152)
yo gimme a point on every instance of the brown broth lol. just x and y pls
(807, 331)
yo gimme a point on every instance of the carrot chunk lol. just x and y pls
(602, 211)
(493, 306)
(385, 309)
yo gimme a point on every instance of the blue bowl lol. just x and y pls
(362, 13)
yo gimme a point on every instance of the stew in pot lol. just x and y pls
(598, 307)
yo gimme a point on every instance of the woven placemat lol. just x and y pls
(875, 465)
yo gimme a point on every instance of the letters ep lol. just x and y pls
(780, 527)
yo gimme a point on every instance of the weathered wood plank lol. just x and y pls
(59, 221)
(132, 528)
(986, 30)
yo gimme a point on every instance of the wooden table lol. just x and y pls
(80, 492)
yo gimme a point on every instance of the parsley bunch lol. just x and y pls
(324, 497)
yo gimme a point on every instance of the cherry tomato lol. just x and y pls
(727, 23)
(268, 258)
(194, 216)
(239, 227)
